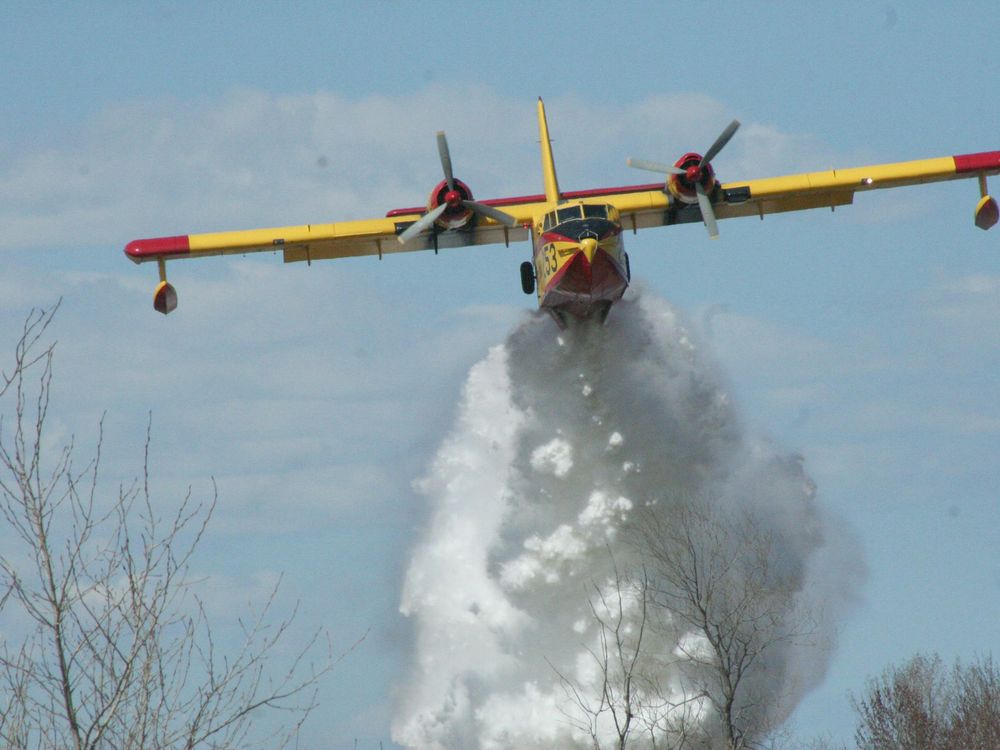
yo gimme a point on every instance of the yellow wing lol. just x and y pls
(648, 206)
(639, 206)
(310, 242)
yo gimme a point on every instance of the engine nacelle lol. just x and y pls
(457, 214)
(681, 186)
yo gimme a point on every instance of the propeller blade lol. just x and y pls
(421, 224)
(654, 166)
(720, 142)
(707, 213)
(501, 217)
(445, 159)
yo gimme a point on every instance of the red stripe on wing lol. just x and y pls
(156, 247)
(520, 200)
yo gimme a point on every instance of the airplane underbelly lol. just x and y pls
(582, 287)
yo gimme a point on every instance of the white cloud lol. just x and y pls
(157, 167)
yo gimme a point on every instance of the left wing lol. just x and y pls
(652, 205)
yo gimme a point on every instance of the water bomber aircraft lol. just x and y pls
(579, 267)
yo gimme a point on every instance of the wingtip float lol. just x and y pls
(578, 266)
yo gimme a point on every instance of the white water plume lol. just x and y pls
(562, 441)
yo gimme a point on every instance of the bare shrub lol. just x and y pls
(116, 649)
(923, 704)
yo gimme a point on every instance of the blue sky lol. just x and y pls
(866, 340)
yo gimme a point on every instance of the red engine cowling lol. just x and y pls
(450, 205)
(682, 186)
(456, 215)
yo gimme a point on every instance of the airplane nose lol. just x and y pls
(589, 247)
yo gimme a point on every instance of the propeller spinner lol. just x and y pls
(453, 200)
(695, 175)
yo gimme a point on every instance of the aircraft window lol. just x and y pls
(565, 214)
(597, 212)
(579, 229)
(547, 224)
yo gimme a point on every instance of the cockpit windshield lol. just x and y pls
(582, 220)
(572, 212)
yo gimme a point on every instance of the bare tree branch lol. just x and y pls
(630, 702)
(716, 578)
(117, 650)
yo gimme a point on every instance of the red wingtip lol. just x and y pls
(986, 161)
(156, 247)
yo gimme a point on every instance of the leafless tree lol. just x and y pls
(687, 635)
(975, 717)
(923, 704)
(716, 580)
(630, 705)
(906, 707)
(116, 649)
(617, 657)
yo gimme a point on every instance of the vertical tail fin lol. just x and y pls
(548, 163)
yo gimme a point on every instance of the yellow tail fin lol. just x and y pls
(548, 163)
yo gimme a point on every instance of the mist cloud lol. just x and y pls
(560, 439)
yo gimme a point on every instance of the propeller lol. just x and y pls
(452, 200)
(720, 142)
(707, 212)
(655, 166)
(695, 174)
(421, 224)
